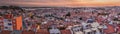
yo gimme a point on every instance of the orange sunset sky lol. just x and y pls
(68, 3)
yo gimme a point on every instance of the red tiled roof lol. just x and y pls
(119, 28)
(42, 31)
(28, 32)
(65, 32)
(110, 29)
(5, 32)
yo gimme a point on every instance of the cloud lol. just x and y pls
(72, 3)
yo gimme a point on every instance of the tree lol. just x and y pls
(4, 7)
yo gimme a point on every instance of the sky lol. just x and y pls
(59, 3)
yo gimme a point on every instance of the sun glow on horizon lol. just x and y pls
(64, 3)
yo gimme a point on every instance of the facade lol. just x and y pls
(11, 24)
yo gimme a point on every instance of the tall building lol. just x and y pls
(11, 24)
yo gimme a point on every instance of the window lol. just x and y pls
(57, 33)
(6, 27)
(52, 33)
(9, 24)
